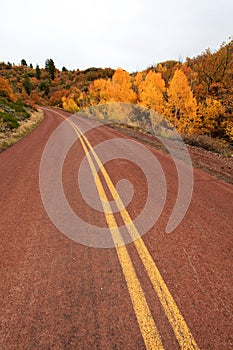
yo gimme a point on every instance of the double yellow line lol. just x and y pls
(145, 319)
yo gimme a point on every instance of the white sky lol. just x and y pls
(132, 34)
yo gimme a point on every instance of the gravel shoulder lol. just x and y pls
(215, 164)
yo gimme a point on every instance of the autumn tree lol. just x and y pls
(151, 92)
(122, 87)
(167, 69)
(182, 106)
(214, 74)
(50, 68)
(56, 97)
(5, 89)
(119, 89)
(69, 104)
(229, 129)
(101, 91)
(210, 113)
(138, 79)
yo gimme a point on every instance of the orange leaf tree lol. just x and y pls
(210, 113)
(182, 106)
(151, 92)
(100, 91)
(6, 90)
(122, 87)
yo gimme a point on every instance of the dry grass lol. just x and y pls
(215, 145)
(9, 138)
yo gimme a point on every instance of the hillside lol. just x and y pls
(195, 96)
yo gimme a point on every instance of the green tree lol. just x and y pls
(44, 87)
(38, 72)
(9, 65)
(50, 67)
(27, 85)
(24, 63)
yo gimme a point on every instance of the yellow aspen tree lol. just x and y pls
(182, 106)
(69, 104)
(209, 113)
(138, 79)
(101, 91)
(229, 130)
(151, 92)
(122, 87)
(78, 96)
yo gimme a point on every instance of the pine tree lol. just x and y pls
(24, 63)
(38, 72)
(50, 67)
(27, 85)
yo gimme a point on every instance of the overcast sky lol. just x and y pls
(132, 34)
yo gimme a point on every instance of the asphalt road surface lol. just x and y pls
(77, 289)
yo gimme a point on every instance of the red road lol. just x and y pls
(58, 294)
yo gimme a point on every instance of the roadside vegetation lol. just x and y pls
(16, 118)
(194, 96)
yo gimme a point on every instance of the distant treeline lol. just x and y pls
(196, 96)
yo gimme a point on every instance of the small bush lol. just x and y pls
(17, 108)
(9, 121)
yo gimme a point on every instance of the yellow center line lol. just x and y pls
(176, 319)
(145, 319)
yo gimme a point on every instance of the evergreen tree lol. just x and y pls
(24, 63)
(9, 65)
(38, 72)
(27, 85)
(50, 67)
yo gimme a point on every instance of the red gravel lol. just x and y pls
(58, 294)
(215, 164)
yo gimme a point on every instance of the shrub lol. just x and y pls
(9, 121)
